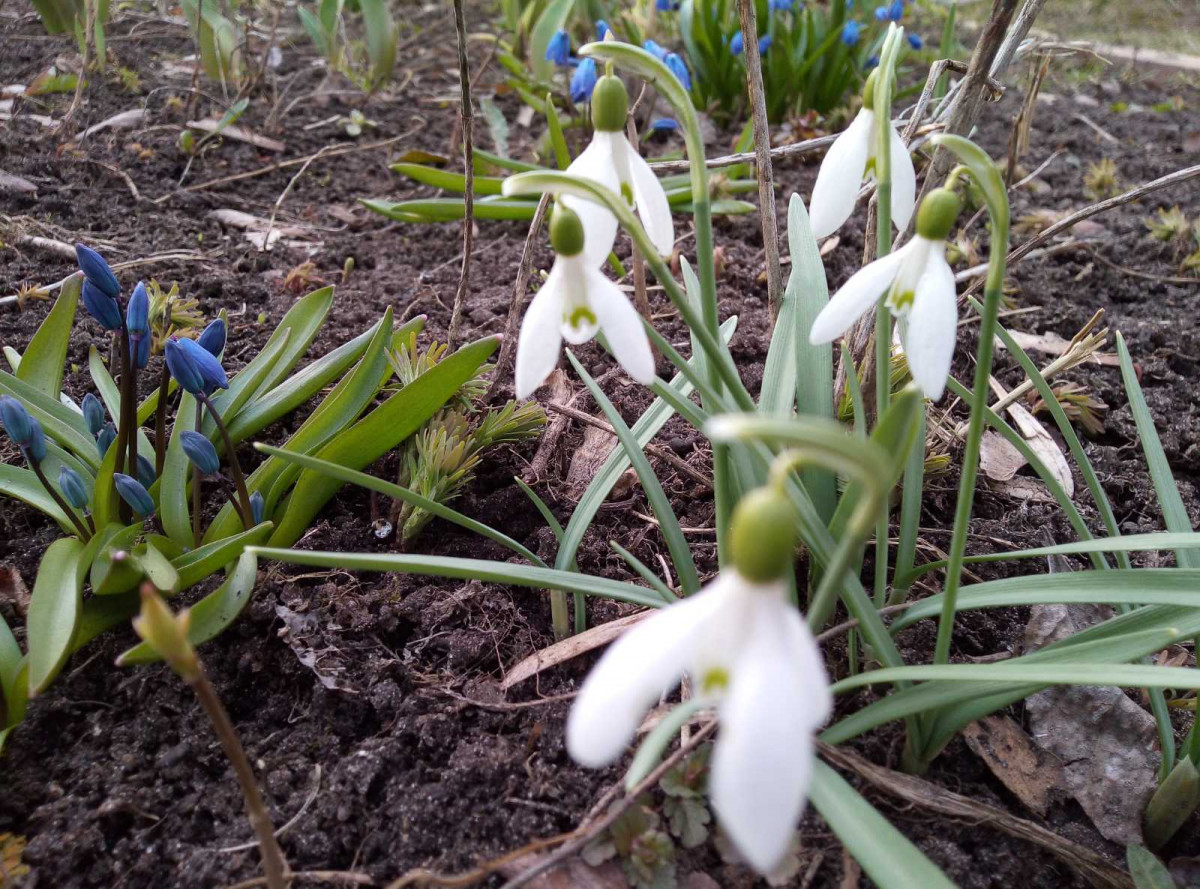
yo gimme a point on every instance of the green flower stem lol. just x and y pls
(238, 479)
(984, 172)
(84, 534)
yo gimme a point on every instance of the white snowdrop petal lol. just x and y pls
(856, 296)
(652, 205)
(599, 225)
(932, 328)
(622, 326)
(762, 760)
(628, 679)
(840, 176)
(539, 341)
(904, 181)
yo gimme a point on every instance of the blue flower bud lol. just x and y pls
(664, 125)
(881, 13)
(656, 50)
(201, 452)
(137, 314)
(602, 29)
(871, 63)
(737, 44)
(257, 507)
(764, 43)
(96, 270)
(558, 50)
(895, 10)
(35, 451)
(16, 420)
(667, 5)
(850, 33)
(139, 345)
(679, 69)
(134, 493)
(781, 5)
(73, 489)
(101, 306)
(583, 81)
(213, 338)
(94, 414)
(145, 471)
(915, 41)
(105, 439)
(193, 367)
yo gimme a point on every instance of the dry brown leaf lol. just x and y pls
(241, 134)
(574, 873)
(13, 589)
(1033, 774)
(1044, 446)
(134, 117)
(998, 459)
(571, 647)
(1050, 343)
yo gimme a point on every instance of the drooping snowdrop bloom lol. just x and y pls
(851, 160)
(920, 292)
(750, 654)
(612, 162)
(574, 304)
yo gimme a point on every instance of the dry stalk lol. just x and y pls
(467, 121)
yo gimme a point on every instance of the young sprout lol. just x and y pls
(612, 162)
(574, 304)
(749, 654)
(851, 160)
(1100, 180)
(920, 290)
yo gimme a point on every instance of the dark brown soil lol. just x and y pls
(115, 777)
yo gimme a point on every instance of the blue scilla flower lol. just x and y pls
(664, 125)
(193, 367)
(656, 50)
(94, 414)
(201, 452)
(101, 306)
(583, 81)
(781, 5)
(145, 471)
(896, 10)
(73, 489)
(134, 493)
(96, 270)
(137, 322)
(737, 44)
(881, 13)
(257, 507)
(679, 68)
(24, 430)
(558, 50)
(667, 5)
(915, 41)
(764, 43)
(602, 29)
(871, 63)
(105, 439)
(850, 32)
(213, 338)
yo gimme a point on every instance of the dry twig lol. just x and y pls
(467, 122)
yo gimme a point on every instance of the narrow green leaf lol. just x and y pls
(380, 31)
(213, 614)
(452, 209)
(1146, 870)
(174, 510)
(243, 385)
(552, 19)
(61, 423)
(115, 569)
(562, 154)
(46, 355)
(301, 324)
(21, 484)
(1124, 675)
(380, 431)
(203, 561)
(447, 179)
(158, 569)
(54, 610)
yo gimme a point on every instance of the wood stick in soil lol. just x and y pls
(762, 153)
(467, 121)
(509, 341)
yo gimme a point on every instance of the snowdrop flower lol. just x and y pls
(850, 33)
(558, 50)
(612, 162)
(849, 161)
(750, 654)
(574, 304)
(920, 292)
(583, 81)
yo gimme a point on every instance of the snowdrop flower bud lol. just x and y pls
(94, 414)
(213, 338)
(574, 304)
(201, 452)
(96, 271)
(72, 487)
(612, 162)
(558, 50)
(752, 657)
(583, 81)
(920, 293)
(134, 493)
(851, 160)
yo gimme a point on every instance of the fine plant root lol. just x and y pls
(1095, 868)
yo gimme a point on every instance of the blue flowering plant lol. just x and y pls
(143, 474)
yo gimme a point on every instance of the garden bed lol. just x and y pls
(399, 750)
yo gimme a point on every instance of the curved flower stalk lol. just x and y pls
(919, 291)
(850, 161)
(574, 304)
(612, 162)
(752, 657)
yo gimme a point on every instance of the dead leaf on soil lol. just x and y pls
(134, 117)
(998, 459)
(1106, 742)
(1033, 774)
(13, 589)
(574, 873)
(571, 647)
(240, 134)
(302, 632)
(16, 184)
(256, 229)
(1050, 343)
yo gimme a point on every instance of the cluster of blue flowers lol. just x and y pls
(585, 75)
